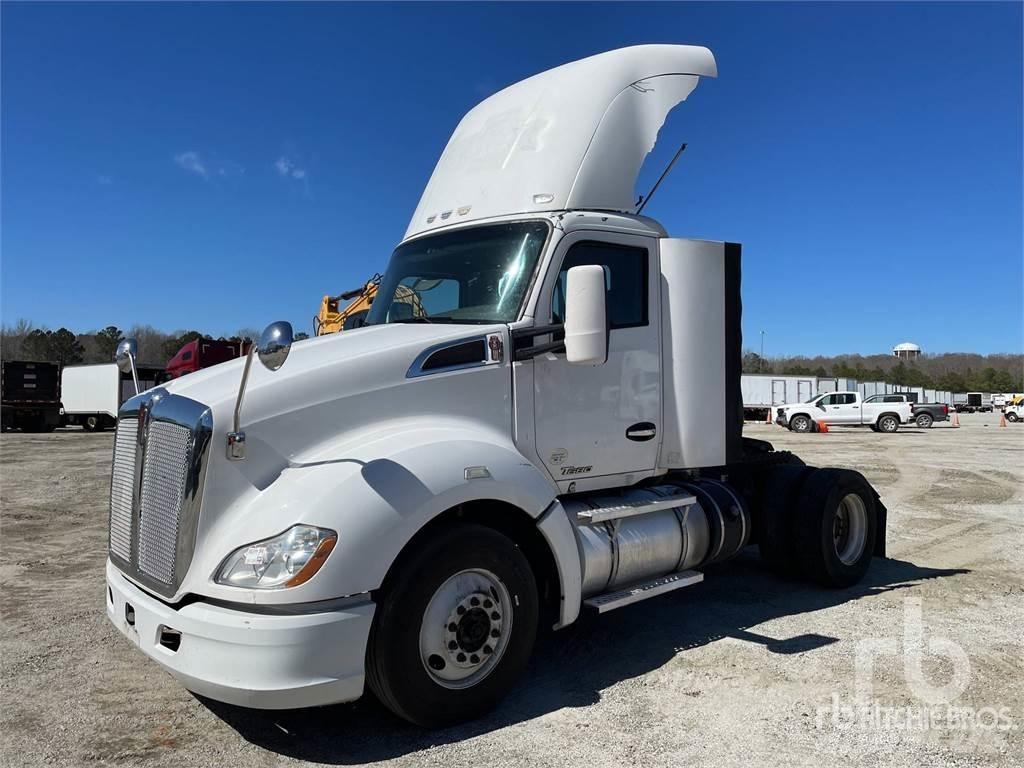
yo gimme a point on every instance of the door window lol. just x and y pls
(625, 276)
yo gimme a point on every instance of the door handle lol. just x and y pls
(642, 431)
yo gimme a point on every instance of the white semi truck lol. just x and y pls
(404, 505)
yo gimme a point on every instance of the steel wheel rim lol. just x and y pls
(850, 528)
(465, 628)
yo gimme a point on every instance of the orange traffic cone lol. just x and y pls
(822, 426)
(1002, 420)
(956, 419)
(768, 418)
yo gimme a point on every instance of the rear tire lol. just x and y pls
(836, 524)
(92, 424)
(888, 423)
(435, 657)
(774, 521)
(924, 420)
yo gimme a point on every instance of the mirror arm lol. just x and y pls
(135, 374)
(236, 438)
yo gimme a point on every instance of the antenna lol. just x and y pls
(645, 200)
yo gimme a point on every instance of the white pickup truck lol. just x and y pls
(846, 409)
(541, 416)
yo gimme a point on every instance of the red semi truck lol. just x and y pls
(202, 353)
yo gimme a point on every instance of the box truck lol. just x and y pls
(404, 505)
(92, 394)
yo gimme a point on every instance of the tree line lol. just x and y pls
(25, 341)
(948, 371)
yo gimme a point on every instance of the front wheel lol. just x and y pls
(924, 420)
(800, 423)
(454, 628)
(1012, 417)
(888, 423)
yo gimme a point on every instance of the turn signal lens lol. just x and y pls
(313, 564)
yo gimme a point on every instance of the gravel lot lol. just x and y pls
(733, 671)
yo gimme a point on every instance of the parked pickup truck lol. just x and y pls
(846, 409)
(923, 414)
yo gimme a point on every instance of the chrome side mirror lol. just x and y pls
(275, 344)
(125, 356)
(273, 348)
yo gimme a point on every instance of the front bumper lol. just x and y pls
(260, 660)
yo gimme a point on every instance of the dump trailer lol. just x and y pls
(91, 395)
(30, 396)
(403, 506)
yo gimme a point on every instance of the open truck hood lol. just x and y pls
(573, 137)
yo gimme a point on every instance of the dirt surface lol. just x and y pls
(744, 669)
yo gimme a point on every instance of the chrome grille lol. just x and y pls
(156, 486)
(122, 483)
(164, 474)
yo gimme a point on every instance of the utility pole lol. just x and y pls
(761, 364)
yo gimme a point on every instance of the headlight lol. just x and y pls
(287, 560)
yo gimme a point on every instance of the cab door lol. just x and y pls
(596, 425)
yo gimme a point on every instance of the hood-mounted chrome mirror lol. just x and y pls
(125, 356)
(274, 345)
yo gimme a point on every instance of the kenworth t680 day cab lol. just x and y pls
(404, 505)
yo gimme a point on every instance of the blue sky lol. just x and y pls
(220, 166)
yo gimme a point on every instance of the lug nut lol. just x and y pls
(452, 627)
(488, 649)
(474, 659)
(453, 646)
(495, 615)
(460, 610)
(488, 604)
(495, 633)
(474, 601)
(461, 658)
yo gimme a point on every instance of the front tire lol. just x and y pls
(836, 524)
(1012, 417)
(800, 423)
(924, 420)
(454, 628)
(888, 423)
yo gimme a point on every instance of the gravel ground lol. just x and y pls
(745, 668)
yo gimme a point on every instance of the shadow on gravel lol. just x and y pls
(570, 668)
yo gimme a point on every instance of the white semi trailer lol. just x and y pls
(404, 505)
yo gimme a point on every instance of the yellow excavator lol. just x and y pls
(332, 319)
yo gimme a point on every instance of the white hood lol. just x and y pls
(573, 137)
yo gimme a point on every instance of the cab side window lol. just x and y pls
(625, 276)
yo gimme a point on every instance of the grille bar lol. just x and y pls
(164, 473)
(122, 487)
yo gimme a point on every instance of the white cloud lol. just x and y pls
(192, 162)
(103, 180)
(289, 169)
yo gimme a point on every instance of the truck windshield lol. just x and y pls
(474, 275)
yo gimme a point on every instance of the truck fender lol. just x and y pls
(378, 501)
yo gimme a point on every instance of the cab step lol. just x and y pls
(632, 508)
(645, 589)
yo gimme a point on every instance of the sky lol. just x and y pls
(220, 166)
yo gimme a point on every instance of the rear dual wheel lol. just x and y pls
(818, 523)
(454, 629)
